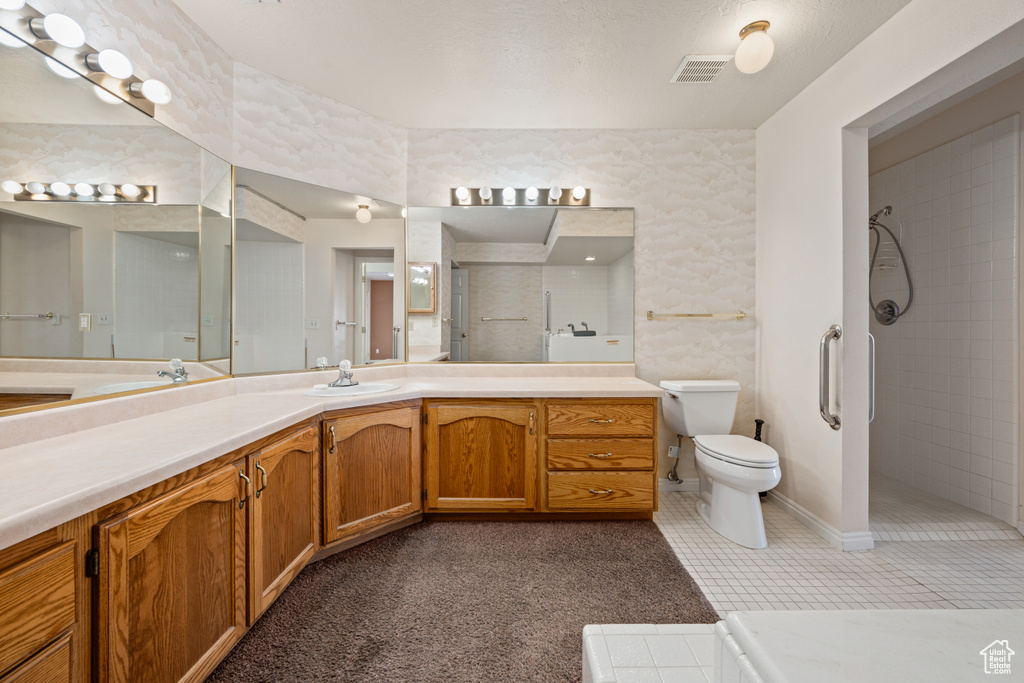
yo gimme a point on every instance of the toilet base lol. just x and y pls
(744, 524)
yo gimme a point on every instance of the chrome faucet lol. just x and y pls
(572, 327)
(585, 326)
(177, 374)
(344, 376)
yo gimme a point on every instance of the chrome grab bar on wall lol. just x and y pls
(834, 332)
(871, 379)
(394, 341)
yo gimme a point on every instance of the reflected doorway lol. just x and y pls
(460, 315)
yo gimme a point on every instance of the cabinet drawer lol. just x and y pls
(600, 491)
(600, 454)
(600, 419)
(37, 601)
(52, 665)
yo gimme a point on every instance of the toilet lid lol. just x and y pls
(740, 450)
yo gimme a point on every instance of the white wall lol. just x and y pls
(812, 206)
(693, 194)
(268, 307)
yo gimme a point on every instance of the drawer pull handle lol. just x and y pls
(600, 422)
(263, 476)
(248, 489)
(600, 455)
(334, 440)
(601, 493)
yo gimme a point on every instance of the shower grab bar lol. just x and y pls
(547, 311)
(871, 412)
(738, 315)
(523, 319)
(26, 316)
(834, 332)
(394, 341)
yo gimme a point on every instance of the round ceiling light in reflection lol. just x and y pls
(363, 215)
(9, 40)
(59, 69)
(12, 187)
(60, 189)
(130, 191)
(60, 28)
(153, 90)
(110, 62)
(106, 95)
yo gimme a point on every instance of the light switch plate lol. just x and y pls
(105, 319)
(206, 320)
(84, 322)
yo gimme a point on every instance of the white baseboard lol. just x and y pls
(856, 540)
(686, 485)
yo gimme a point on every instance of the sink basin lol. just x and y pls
(130, 386)
(354, 390)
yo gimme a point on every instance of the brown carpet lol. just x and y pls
(467, 601)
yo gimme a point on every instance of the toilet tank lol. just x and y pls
(701, 407)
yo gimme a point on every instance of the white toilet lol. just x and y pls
(733, 469)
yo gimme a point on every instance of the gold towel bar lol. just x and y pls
(513, 319)
(738, 315)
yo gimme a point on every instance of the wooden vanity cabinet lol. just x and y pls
(283, 527)
(481, 455)
(171, 599)
(372, 470)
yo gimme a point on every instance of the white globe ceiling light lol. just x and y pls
(60, 28)
(363, 215)
(60, 189)
(7, 40)
(106, 96)
(508, 195)
(59, 69)
(12, 187)
(579, 192)
(531, 194)
(130, 191)
(111, 62)
(153, 90)
(756, 48)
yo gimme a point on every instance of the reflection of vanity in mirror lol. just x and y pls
(105, 217)
(513, 282)
(313, 281)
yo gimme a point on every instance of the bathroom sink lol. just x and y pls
(585, 333)
(130, 386)
(354, 390)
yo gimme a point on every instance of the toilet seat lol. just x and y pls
(738, 450)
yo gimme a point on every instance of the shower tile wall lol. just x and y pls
(578, 294)
(947, 372)
(268, 306)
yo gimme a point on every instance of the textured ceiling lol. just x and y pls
(533, 64)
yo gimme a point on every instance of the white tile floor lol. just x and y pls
(800, 571)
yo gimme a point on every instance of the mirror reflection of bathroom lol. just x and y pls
(514, 282)
(943, 236)
(301, 256)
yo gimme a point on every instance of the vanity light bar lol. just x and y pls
(30, 26)
(520, 196)
(103, 193)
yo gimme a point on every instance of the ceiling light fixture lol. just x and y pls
(519, 196)
(153, 90)
(531, 194)
(589, 258)
(60, 28)
(8, 40)
(35, 187)
(554, 194)
(130, 191)
(62, 191)
(756, 47)
(111, 62)
(84, 189)
(106, 190)
(363, 215)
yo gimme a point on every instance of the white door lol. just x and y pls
(460, 314)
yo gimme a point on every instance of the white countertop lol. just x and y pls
(102, 451)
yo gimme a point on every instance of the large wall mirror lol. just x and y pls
(97, 272)
(312, 279)
(524, 284)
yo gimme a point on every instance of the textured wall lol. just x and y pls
(947, 371)
(284, 129)
(505, 292)
(693, 192)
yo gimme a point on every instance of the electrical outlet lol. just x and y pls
(673, 452)
(55, 320)
(105, 319)
(434, 322)
(312, 323)
(84, 322)
(206, 320)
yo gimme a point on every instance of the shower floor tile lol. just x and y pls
(899, 512)
(800, 571)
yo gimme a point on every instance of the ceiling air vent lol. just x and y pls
(700, 68)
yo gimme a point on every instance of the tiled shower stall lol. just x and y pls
(947, 372)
